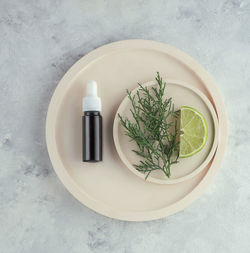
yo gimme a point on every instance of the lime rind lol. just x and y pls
(182, 137)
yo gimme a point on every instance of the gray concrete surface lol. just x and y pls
(40, 40)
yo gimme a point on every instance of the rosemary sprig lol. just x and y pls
(153, 128)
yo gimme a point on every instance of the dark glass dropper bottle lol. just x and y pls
(92, 125)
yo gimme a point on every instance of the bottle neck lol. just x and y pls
(92, 113)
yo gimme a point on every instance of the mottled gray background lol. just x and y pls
(39, 41)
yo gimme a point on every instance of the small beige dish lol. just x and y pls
(183, 94)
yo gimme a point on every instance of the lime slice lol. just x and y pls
(194, 132)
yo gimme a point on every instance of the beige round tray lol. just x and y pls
(183, 94)
(109, 187)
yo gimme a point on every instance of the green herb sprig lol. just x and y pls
(153, 128)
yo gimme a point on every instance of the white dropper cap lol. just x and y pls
(91, 102)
